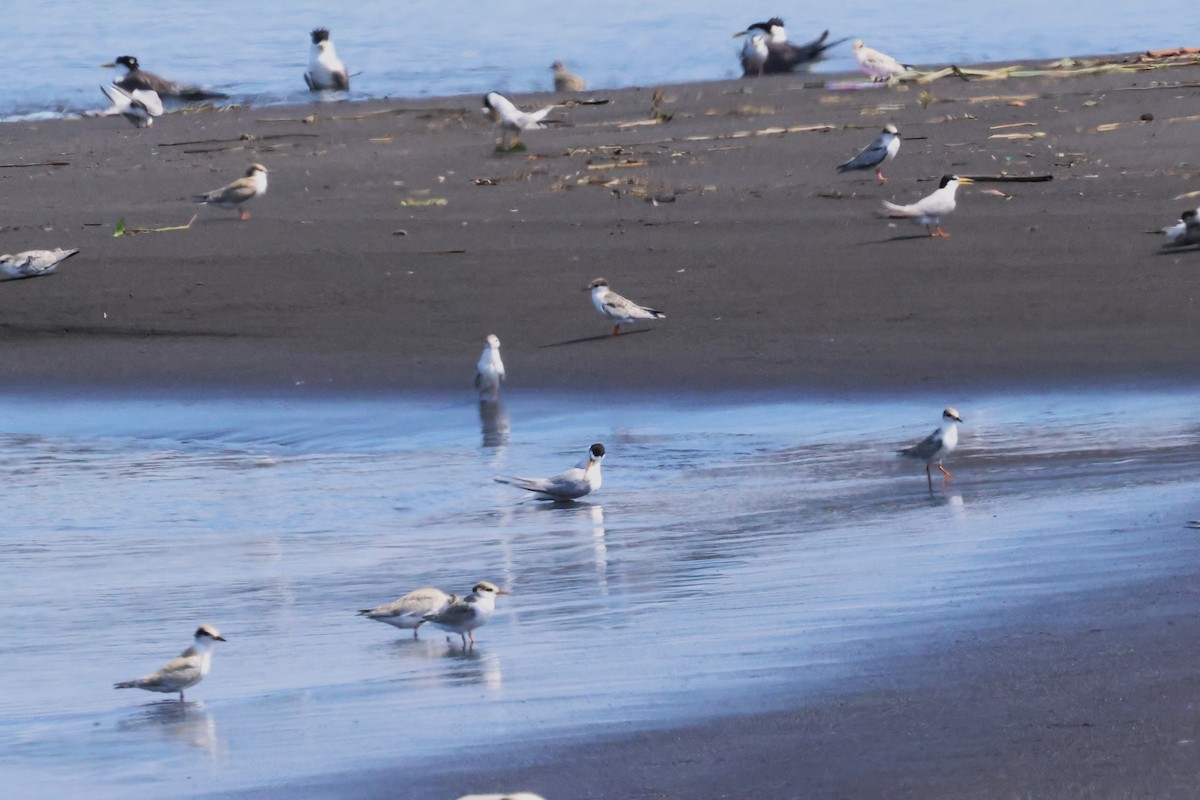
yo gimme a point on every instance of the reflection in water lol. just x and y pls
(599, 547)
(495, 422)
(187, 722)
(473, 666)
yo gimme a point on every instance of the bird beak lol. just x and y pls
(219, 638)
(501, 591)
(591, 463)
(965, 181)
(740, 33)
(108, 66)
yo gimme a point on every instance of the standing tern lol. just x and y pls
(410, 611)
(928, 211)
(879, 66)
(33, 263)
(139, 106)
(465, 615)
(582, 479)
(489, 372)
(183, 672)
(884, 148)
(755, 55)
(325, 69)
(565, 80)
(240, 191)
(621, 310)
(512, 119)
(937, 445)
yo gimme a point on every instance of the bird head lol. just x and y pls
(492, 341)
(205, 632)
(595, 454)
(950, 415)
(596, 284)
(320, 35)
(487, 587)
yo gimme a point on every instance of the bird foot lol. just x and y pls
(616, 330)
(243, 215)
(940, 233)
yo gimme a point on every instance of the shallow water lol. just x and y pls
(741, 550)
(258, 52)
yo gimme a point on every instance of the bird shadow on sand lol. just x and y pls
(599, 338)
(1170, 251)
(912, 237)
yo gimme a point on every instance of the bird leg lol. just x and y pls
(940, 232)
(243, 214)
(181, 695)
(944, 472)
(929, 477)
(616, 330)
(879, 174)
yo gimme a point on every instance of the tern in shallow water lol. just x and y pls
(565, 80)
(465, 615)
(1186, 231)
(325, 69)
(240, 191)
(183, 672)
(137, 78)
(410, 611)
(582, 479)
(512, 119)
(879, 66)
(781, 55)
(33, 263)
(621, 310)
(139, 106)
(928, 211)
(884, 148)
(937, 445)
(489, 372)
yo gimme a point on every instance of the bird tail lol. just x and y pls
(364, 612)
(656, 313)
(521, 483)
(125, 685)
(893, 210)
(200, 198)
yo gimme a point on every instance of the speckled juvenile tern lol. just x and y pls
(565, 80)
(183, 672)
(582, 479)
(928, 211)
(410, 611)
(465, 615)
(139, 106)
(33, 263)
(937, 445)
(620, 310)
(884, 148)
(240, 191)
(879, 66)
(512, 119)
(325, 70)
(489, 372)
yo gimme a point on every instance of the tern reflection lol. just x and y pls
(473, 666)
(187, 722)
(495, 422)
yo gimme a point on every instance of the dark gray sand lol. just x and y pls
(774, 271)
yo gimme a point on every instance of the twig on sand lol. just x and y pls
(37, 164)
(123, 231)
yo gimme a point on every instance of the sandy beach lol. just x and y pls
(394, 238)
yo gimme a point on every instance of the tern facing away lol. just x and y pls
(884, 148)
(465, 615)
(582, 479)
(928, 211)
(512, 119)
(240, 191)
(325, 69)
(33, 263)
(937, 445)
(183, 672)
(489, 372)
(879, 66)
(565, 80)
(139, 106)
(780, 54)
(410, 611)
(1185, 231)
(621, 310)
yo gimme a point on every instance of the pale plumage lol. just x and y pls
(33, 263)
(620, 310)
(465, 615)
(928, 211)
(1186, 231)
(489, 372)
(183, 672)
(139, 106)
(137, 78)
(755, 55)
(879, 66)
(579, 481)
(512, 119)
(238, 192)
(884, 148)
(937, 445)
(410, 611)
(565, 80)
(325, 70)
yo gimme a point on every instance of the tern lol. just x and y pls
(139, 106)
(238, 192)
(621, 310)
(465, 615)
(410, 611)
(512, 119)
(489, 372)
(33, 263)
(782, 55)
(582, 479)
(755, 55)
(937, 445)
(928, 211)
(567, 81)
(325, 69)
(1184, 232)
(879, 66)
(183, 672)
(137, 78)
(884, 148)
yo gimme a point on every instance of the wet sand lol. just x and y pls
(774, 272)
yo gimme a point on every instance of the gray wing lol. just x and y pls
(39, 262)
(570, 484)
(454, 614)
(180, 671)
(927, 447)
(787, 56)
(871, 156)
(239, 191)
(618, 307)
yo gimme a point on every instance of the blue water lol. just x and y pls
(258, 51)
(740, 551)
